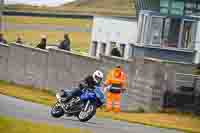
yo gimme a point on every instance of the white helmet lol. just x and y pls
(98, 76)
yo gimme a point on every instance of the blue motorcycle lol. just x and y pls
(83, 106)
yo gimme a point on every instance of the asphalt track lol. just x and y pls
(20, 109)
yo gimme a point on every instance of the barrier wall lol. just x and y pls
(66, 69)
(4, 53)
(28, 66)
(56, 69)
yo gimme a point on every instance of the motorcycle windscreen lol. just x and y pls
(99, 94)
(88, 96)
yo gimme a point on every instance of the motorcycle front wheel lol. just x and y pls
(57, 111)
(87, 112)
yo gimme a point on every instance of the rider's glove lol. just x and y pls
(123, 90)
(82, 86)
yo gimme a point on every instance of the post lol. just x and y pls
(1, 14)
(180, 35)
(127, 52)
(98, 52)
(108, 49)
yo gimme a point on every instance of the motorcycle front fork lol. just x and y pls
(86, 106)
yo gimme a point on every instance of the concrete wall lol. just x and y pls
(66, 69)
(179, 74)
(146, 84)
(28, 66)
(4, 53)
(56, 69)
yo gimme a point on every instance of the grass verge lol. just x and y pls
(184, 122)
(79, 40)
(27, 93)
(68, 22)
(11, 125)
(178, 121)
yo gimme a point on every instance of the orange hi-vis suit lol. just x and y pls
(117, 80)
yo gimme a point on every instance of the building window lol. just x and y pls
(122, 49)
(94, 48)
(164, 10)
(188, 12)
(164, 6)
(132, 53)
(176, 12)
(140, 28)
(156, 31)
(190, 5)
(178, 33)
(198, 6)
(115, 50)
(177, 7)
(171, 32)
(164, 3)
(103, 48)
(188, 34)
(113, 44)
(143, 25)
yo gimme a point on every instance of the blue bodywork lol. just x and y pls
(93, 95)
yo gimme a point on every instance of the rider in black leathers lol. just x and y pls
(89, 82)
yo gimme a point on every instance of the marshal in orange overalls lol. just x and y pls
(116, 78)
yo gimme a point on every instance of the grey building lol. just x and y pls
(168, 30)
(163, 29)
(111, 32)
(169, 7)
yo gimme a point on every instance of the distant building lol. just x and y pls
(164, 29)
(108, 32)
(151, 5)
(170, 33)
(169, 7)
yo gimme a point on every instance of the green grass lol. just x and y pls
(111, 4)
(28, 93)
(184, 122)
(11, 125)
(79, 40)
(104, 7)
(68, 22)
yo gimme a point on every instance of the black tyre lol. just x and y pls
(84, 116)
(57, 111)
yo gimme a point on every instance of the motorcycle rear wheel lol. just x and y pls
(57, 111)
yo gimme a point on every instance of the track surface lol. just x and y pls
(39, 113)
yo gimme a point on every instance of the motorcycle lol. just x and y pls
(83, 106)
